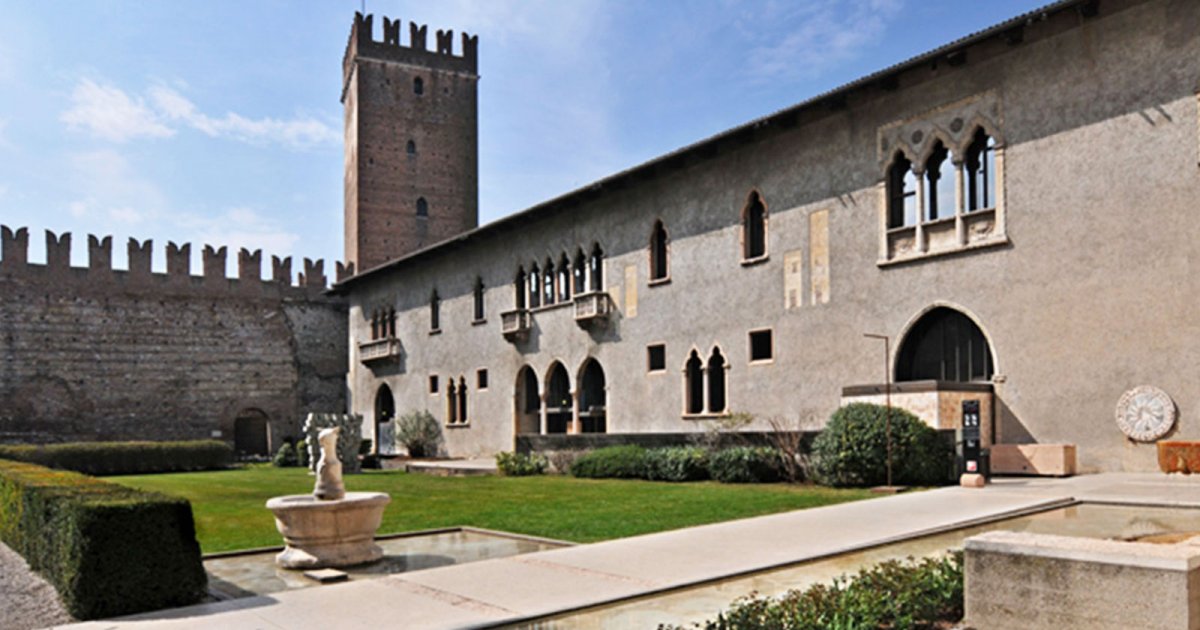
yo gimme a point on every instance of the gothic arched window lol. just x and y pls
(754, 228)
(659, 265)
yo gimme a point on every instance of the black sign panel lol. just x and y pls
(971, 446)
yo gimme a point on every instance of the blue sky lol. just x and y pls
(215, 121)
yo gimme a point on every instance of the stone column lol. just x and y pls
(960, 202)
(920, 244)
(576, 422)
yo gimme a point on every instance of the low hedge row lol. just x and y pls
(909, 594)
(741, 464)
(108, 550)
(124, 458)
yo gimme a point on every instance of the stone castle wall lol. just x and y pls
(101, 354)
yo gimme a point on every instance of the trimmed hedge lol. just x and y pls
(108, 550)
(746, 464)
(124, 458)
(521, 465)
(677, 463)
(852, 450)
(622, 462)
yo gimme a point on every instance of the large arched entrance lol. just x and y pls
(944, 345)
(527, 403)
(385, 413)
(559, 407)
(593, 401)
(251, 433)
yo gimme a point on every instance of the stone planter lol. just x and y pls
(1182, 457)
(320, 534)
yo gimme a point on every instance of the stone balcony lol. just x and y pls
(592, 308)
(515, 324)
(379, 350)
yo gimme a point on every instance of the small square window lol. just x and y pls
(433, 384)
(481, 379)
(656, 358)
(760, 345)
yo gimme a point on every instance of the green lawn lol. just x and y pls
(230, 512)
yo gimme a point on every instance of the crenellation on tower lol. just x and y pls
(411, 141)
(99, 276)
(99, 252)
(139, 256)
(214, 262)
(179, 259)
(58, 250)
(281, 270)
(14, 247)
(249, 264)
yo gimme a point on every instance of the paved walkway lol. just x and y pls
(452, 467)
(533, 585)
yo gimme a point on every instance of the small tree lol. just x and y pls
(789, 441)
(724, 432)
(419, 432)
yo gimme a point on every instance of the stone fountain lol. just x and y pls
(330, 527)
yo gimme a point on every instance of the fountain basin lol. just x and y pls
(320, 534)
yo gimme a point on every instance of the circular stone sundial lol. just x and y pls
(1145, 413)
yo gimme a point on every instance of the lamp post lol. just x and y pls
(887, 389)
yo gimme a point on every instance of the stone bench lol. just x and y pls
(1056, 460)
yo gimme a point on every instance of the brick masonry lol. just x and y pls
(101, 354)
(383, 113)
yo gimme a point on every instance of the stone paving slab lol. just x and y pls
(452, 467)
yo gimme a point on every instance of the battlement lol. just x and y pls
(362, 43)
(99, 274)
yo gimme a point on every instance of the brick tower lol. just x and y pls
(412, 165)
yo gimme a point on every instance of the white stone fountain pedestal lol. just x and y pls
(328, 533)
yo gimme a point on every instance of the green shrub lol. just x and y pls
(520, 464)
(746, 464)
(108, 550)
(124, 458)
(676, 463)
(623, 462)
(901, 595)
(286, 457)
(852, 450)
(419, 432)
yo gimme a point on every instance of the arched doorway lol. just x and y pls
(593, 399)
(944, 345)
(385, 413)
(559, 404)
(251, 433)
(527, 402)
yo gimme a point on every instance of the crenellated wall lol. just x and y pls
(93, 352)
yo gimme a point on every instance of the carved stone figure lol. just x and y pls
(329, 469)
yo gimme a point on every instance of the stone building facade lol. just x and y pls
(1013, 211)
(93, 353)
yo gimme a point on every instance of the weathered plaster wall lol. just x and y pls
(97, 354)
(1092, 294)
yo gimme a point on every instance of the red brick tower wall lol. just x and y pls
(383, 113)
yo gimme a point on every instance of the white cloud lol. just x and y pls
(822, 33)
(241, 227)
(109, 113)
(108, 187)
(301, 132)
